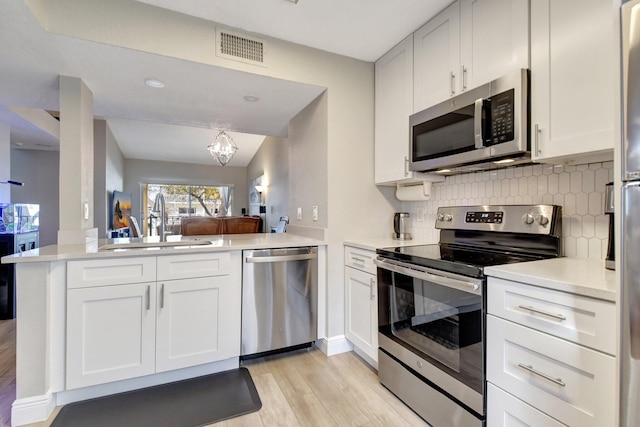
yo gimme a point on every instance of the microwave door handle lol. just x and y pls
(478, 128)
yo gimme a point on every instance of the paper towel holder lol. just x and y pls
(415, 192)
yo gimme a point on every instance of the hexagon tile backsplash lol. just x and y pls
(578, 189)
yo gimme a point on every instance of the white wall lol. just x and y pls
(137, 172)
(39, 171)
(272, 161)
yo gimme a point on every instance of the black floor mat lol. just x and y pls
(189, 403)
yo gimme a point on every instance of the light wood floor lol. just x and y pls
(304, 388)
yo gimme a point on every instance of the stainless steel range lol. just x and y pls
(432, 305)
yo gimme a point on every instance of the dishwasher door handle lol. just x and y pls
(281, 258)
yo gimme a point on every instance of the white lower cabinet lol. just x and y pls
(361, 302)
(538, 372)
(505, 410)
(110, 333)
(117, 332)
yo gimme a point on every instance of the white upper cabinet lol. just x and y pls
(393, 106)
(468, 44)
(494, 39)
(437, 58)
(574, 79)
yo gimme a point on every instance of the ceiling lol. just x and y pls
(177, 122)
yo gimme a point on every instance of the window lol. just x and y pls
(185, 200)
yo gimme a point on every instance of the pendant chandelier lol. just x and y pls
(222, 148)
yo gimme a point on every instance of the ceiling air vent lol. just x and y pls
(239, 47)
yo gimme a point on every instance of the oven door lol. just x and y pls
(438, 317)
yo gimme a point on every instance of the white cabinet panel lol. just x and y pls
(110, 333)
(393, 106)
(504, 410)
(198, 322)
(114, 271)
(437, 58)
(361, 301)
(574, 80)
(362, 318)
(360, 259)
(570, 383)
(193, 265)
(494, 36)
(583, 320)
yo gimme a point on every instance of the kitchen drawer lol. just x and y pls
(584, 320)
(570, 383)
(504, 410)
(360, 259)
(112, 271)
(193, 265)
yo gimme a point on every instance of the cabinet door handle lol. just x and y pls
(452, 87)
(148, 297)
(536, 139)
(162, 296)
(373, 287)
(545, 313)
(542, 374)
(406, 166)
(464, 78)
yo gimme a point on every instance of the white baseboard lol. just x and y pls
(32, 409)
(334, 345)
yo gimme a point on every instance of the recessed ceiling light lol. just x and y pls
(251, 98)
(154, 83)
(443, 171)
(293, 1)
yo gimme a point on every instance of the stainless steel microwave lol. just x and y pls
(483, 128)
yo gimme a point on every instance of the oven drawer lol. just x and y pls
(576, 318)
(570, 383)
(504, 410)
(360, 259)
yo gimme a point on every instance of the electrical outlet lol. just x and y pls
(315, 213)
(299, 214)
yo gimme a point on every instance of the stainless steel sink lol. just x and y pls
(140, 245)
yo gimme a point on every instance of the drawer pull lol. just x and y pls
(546, 313)
(542, 374)
(162, 296)
(148, 297)
(360, 260)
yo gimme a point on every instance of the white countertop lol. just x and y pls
(219, 243)
(372, 244)
(580, 276)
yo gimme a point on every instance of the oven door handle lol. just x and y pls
(471, 286)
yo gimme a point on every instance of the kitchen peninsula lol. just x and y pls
(123, 314)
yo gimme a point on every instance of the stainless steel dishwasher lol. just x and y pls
(279, 299)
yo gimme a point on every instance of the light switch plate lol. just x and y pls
(315, 213)
(299, 214)
(86, 211)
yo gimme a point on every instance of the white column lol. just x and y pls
(76, 163)
(5, 162)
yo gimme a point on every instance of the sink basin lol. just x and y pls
(139, 245)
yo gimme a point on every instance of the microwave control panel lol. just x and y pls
(502, 117)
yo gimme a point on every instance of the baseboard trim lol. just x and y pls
(32, 409)
(334, 345)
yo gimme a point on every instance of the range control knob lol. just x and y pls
(528, 218)
(543, 220)
(440, 217)
(448, 217)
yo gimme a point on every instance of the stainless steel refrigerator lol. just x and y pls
(630, 219)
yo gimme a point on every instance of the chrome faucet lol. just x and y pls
(158, 206)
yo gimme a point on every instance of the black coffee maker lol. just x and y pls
(610, 261)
